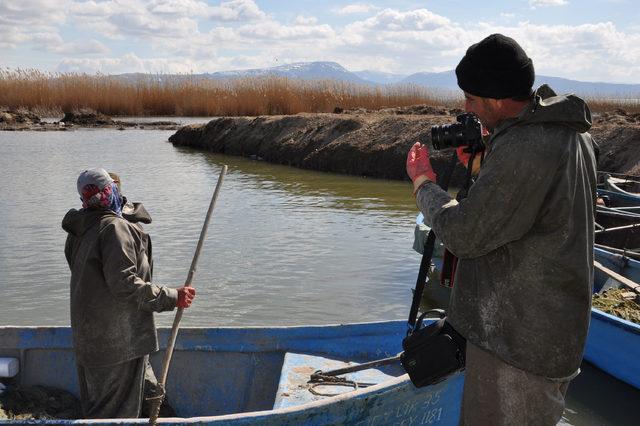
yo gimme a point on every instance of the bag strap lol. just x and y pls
(427, 254)
(429, 244)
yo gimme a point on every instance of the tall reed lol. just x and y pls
(189, 95)
(186, 95)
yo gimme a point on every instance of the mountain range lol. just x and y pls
(442, 81)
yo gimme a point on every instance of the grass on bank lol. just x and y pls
(186, 95)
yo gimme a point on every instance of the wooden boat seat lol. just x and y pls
(293, 388)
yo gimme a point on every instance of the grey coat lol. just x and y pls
(524, 236)
(112, 297)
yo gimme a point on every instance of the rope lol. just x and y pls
(320, 379)
(329, 378)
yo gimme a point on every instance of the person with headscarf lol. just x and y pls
(112, 299)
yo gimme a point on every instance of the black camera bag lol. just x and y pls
(433, 352)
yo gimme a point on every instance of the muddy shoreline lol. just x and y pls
(375, 143)
(22, 120)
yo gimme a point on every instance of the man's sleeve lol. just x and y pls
(121, 274)
(501, 206)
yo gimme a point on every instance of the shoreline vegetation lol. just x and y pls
(52, 94)
(187, 96)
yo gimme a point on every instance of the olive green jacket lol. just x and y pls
(112, 298)
(524, 237)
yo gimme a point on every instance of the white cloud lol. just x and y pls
(128, 63)
(93, 9)
(355, 9)
(237, 10)
(394, 20)
(207, 36)
(589, 52)
(544, 3)
(88, 47)
(32, 12)
(24, 21)
(132, 63)
(304, 20)
(273, 30)
(178, 7)
(160, 19)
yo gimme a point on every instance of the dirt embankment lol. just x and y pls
(16, 120)
(356, 142)
(375, 144)
(618, 136)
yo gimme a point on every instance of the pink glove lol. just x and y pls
(418, 166)
(185, 296)
(464, 157)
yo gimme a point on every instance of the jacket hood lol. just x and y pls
(548, 107)
(135, 212)
(77, 222)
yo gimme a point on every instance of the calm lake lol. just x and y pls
(285, 246)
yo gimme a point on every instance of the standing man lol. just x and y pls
(523, 236)
(112, 299)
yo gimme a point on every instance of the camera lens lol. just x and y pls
(448, 135)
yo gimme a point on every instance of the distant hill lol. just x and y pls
(595, 89)
(443, 82)
(380, 77)
(447, 80)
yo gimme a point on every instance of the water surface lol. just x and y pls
(285, 246)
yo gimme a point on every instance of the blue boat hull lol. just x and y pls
(613, 344)
(231, 376)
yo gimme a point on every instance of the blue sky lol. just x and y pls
(589, 40)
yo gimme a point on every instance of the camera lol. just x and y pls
(466, 132)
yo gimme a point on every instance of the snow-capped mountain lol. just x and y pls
(380, 77)
(298, 70)
(441, 81)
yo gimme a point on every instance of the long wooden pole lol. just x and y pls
(155, 408)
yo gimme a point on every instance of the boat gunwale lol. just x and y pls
(387, 385)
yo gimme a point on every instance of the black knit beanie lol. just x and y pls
(497, 67)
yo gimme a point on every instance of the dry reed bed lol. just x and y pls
(184, 95)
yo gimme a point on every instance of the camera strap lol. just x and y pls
(427, 253)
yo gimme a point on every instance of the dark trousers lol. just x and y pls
(496, 393)
(116, 391)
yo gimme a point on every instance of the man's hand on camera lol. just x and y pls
(419, 167)
(464, 157)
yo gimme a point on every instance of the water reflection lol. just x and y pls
(326, 190)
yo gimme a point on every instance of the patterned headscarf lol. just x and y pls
(108, 198)
(98, 190)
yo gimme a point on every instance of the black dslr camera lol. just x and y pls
(466, 132)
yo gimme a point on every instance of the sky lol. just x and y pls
(587, 40)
